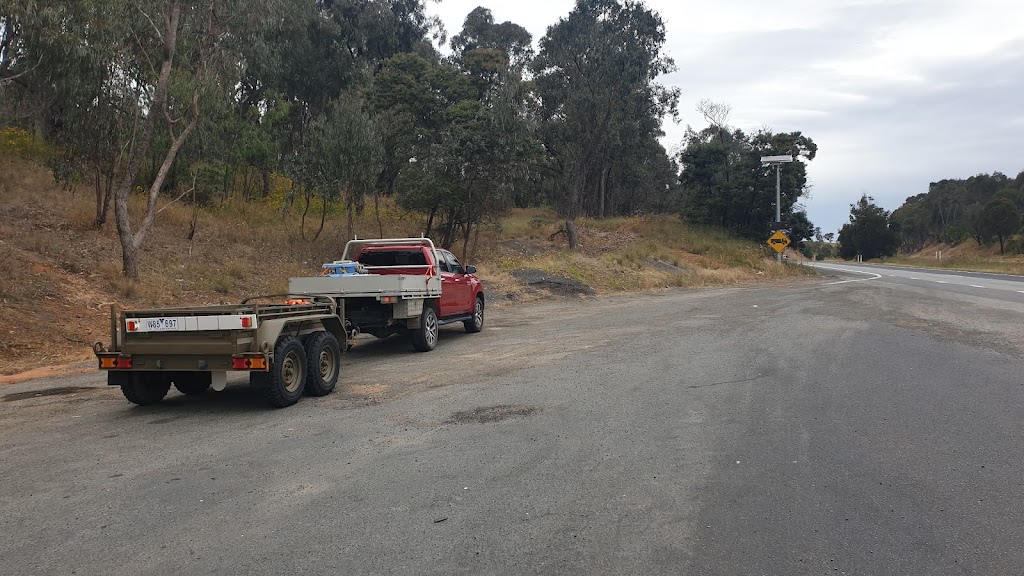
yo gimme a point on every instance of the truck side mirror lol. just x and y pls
(471, 269)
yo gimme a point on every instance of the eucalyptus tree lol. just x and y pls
(595, 78)
(725, 185)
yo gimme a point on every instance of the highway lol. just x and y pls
(864, 421)
(997, 286)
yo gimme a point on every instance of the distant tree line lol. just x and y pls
(351, 101)
(986, 208)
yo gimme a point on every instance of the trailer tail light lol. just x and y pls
(246, 322)
(255, 362)
(115, 362)
(388, 299)
(132, 325)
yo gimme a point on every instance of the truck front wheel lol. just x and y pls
(477, 323)
(143, 389)
(287, 377)
(323, 360)
(424, 338)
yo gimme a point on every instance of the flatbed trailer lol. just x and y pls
(287, 349)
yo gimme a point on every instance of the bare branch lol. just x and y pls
(180, 196)
(156, 29)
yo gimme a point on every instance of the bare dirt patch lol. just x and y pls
(554, 283)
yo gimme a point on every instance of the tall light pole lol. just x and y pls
(777, 161)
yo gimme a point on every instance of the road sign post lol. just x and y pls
(777, 161)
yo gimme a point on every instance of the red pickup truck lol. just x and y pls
(399, 286)
(461, 295)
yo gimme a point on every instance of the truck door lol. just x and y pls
(454, 282)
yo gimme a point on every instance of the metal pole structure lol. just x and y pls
(777, 162)
(778, 205)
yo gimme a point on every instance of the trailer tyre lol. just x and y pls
(287, 377)
(192, 383)
(477, 323)
(142, 389)
(323, 361)
(424, 338)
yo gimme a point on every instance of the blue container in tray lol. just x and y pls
(339, 269)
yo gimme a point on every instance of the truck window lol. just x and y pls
(442, 261)
(392, 258)
(453, 263)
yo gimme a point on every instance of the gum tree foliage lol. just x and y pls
(456, 139)
(953, 210)
(122, 86)
(1001, 219)
(600, 108)
(868, 233)
(338, 161)
(725, 185)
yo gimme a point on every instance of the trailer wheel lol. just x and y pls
(287, 377)
(323, 359)
(477, 323)
(145, 389)
(424, 338)
(192, 383)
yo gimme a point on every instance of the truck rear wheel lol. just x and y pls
(323, 360)
(477, 323)
(145, 389)
(192, 383)
(287, 377)
(424, 338)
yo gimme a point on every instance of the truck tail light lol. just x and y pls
(255, 362)
(115, 362)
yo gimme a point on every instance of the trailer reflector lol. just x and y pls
(115, 362)
(257, 362)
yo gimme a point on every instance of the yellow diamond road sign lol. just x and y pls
(778, 241)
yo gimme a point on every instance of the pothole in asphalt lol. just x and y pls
(488, 414)
(48, 392)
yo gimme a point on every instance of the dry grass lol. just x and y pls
(964, 256)
(59, 272)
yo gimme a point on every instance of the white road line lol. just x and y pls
(876, 276)
(912, 278)
(941, 282)
(976, 286)
(1020, 291)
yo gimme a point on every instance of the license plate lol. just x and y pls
(160, 324)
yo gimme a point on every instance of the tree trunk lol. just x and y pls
(376, 210)
(430, 222)
(350, 207)
(465, 241)
(604, 179)
(570, 232)
(323, 218)
(266, 184)
(302, 221)
(1000, 244)
(100, 216)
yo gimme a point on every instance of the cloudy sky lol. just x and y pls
(896, 94)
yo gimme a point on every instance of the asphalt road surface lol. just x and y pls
(824, 427)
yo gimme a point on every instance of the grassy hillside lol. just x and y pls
(964, 256)
(59, 274)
